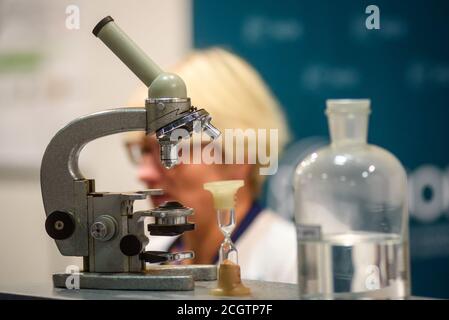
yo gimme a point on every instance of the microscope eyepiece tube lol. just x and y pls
(127, 50)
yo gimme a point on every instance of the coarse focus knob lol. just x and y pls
(59, 225)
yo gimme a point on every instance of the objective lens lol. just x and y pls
(211, 131)
(169, 154)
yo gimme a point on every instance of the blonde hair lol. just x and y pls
(232, 92)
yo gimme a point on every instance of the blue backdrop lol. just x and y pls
(309, 51)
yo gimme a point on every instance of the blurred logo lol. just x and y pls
(392, 28)
(428, 193)
(259, 30)
(319, 77)
(428, 185)
(428, 74)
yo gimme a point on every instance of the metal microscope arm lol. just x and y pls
(64, 188)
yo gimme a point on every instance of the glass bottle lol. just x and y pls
(351, 214)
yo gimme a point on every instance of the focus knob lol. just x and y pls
(130, 245)
(59, 225)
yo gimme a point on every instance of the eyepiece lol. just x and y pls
(126, 50)
(101, 24)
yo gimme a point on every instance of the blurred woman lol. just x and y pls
(237, 98)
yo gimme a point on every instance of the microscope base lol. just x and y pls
(155, 278)
(123, 281)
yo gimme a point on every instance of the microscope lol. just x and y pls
(102, 227)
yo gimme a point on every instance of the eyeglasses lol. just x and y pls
(138, 149)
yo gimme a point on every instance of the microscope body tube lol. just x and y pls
(127, 51)
(160, 84)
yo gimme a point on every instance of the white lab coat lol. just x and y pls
(267, 249)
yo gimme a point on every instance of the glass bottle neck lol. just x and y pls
(348, 128)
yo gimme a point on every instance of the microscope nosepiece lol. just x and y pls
(195, 120)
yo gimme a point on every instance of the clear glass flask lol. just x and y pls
(351, 214)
